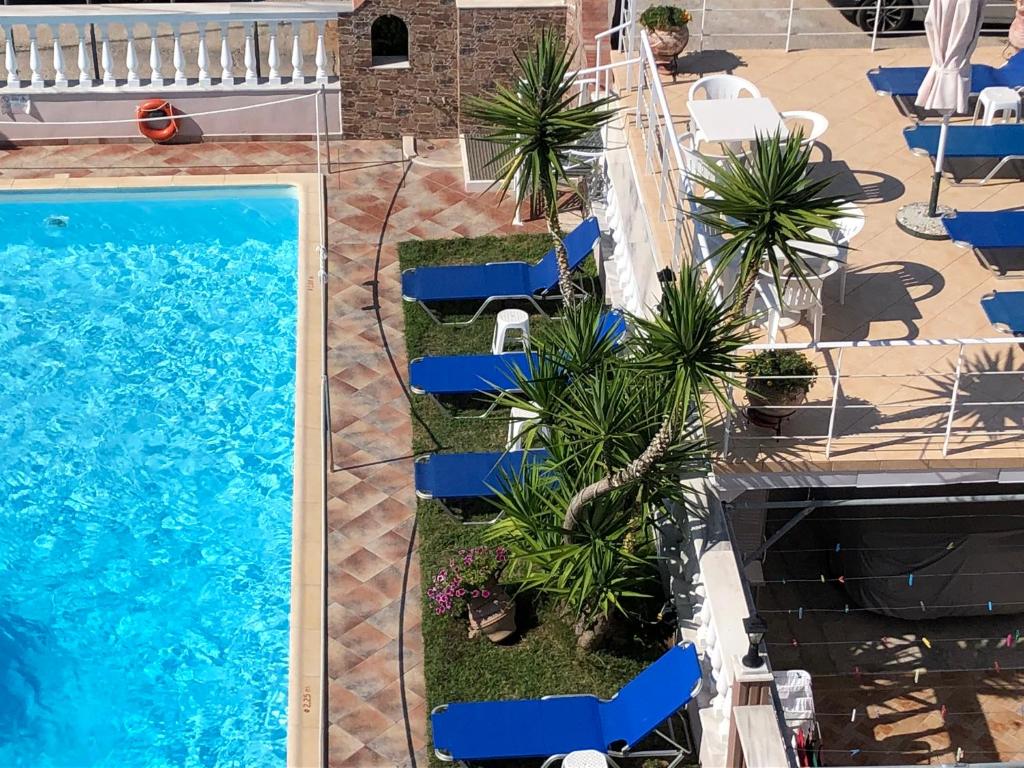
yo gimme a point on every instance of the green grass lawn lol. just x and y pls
(544, 659)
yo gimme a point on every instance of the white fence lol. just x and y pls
(227, 52)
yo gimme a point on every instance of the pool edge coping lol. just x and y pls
(305, 618)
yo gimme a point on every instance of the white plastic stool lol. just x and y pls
(992, 101)
(585, 758)
(510, 320)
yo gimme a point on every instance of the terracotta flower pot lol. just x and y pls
(493, 616)
(770, 412)
(666, 44)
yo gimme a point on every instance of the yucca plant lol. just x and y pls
(688, 348)
(762, 204)
(538, 122)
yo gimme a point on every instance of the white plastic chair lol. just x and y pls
(847, 228)
(819, 124)
(798, 297)
(723, 87)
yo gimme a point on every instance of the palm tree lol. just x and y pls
(538, 122)
(689, 346)
(762, 205)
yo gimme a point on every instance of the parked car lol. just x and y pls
(898, 14)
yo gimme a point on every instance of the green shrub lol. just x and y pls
(779, 362)
(665, 17)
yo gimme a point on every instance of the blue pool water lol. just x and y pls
(147, 369)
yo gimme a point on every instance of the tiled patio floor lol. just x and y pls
(371, 500)
(898, 288)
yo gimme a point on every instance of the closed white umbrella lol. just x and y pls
(952, 27)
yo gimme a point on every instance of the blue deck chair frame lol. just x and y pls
(904, 82)
(448, 476)
(1004, 143)
(985, 231)
(498, 281)
(1005, 310)
(551, 727)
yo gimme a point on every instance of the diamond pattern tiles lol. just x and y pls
(371, 507)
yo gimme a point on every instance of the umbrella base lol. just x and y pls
(913, 219)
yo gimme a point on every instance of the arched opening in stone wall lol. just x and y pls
(389, 42)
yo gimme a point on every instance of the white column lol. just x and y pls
(321, 54)
(250, 58)
(60, 79)
(227, 73)
(131, 59)
(155, 62)
(10, 60)
(297, 74)
(33, 57)
(202, 59)
(179, 57)
(84, 73)
(273, 60)
(106, 62)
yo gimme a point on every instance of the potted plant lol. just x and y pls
(777, 380)
(471, 579)
(667, 31)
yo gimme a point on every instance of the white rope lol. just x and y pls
(177, 115)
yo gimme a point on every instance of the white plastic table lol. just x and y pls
(725, 120)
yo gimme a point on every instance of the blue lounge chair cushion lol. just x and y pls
(465, 374)
(987, 229)
(470, 475)
(968, 140)
(905, 81)
(539, 728)
(1005, 310)
(466, 282)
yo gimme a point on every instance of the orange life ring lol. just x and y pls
(156, 108)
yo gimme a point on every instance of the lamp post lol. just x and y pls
(755, 627)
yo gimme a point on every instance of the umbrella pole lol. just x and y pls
(940, 158)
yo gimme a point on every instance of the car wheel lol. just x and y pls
(894, 18)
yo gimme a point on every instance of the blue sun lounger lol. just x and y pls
(453, 476)
(1005, 310)
(905, 81)
(986, 231)
(556, 725)
(998, 142)
(448, 375)
(500, 280)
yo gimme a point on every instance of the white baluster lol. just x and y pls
(155, 62)
(321, 54)
(60, 79)
(297, 74)
(84, 73)
(33, 58)
(179, 57)
(202, 59)
(106, 62)
(250, 58)
(227, 73)
(131, 59)
(273, 61)
(10, 60)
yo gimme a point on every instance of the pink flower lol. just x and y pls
(475, 593)
(484, 593)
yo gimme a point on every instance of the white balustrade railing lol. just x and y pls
(107, 42)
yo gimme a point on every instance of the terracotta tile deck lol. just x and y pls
(898, 288)
(371, 500)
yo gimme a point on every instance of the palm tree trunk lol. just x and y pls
(746, 289)
(565, 285)
(632, 472)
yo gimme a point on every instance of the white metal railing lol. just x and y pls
(787, 15)
(290, 57)
(950, 397)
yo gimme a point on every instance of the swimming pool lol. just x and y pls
(147, 406)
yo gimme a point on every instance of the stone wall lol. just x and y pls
(489, 38)
(420, 100)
